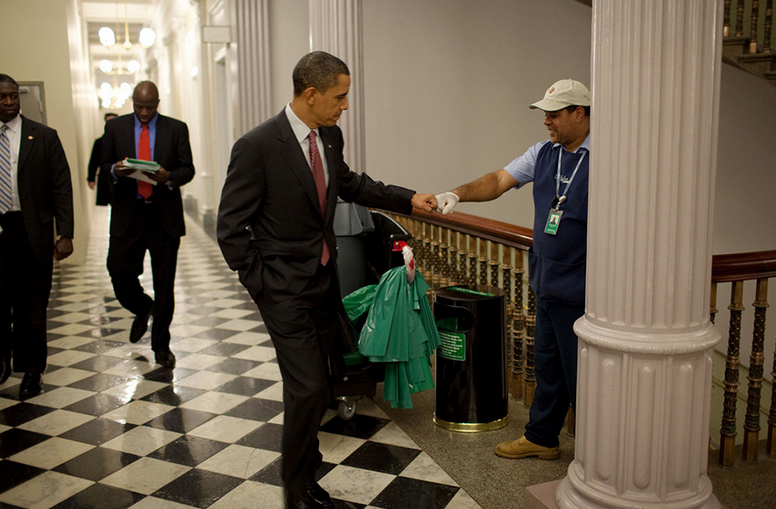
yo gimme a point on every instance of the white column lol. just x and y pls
(335, 27)
(646, 341)
(250, 49)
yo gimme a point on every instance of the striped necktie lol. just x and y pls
(5, 170)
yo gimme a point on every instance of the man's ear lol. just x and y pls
(309, 95)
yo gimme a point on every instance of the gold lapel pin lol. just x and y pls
(29, 137)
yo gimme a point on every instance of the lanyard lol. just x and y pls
(560, 198)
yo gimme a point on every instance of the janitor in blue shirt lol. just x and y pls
(558, 167)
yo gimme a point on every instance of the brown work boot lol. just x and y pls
(524, 448)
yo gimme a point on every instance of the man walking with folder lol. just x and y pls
(147, 212)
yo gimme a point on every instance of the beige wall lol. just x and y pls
(41, 52)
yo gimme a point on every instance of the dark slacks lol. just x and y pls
(302, 329)
(25, 285)
(125, 265)
(555, 365)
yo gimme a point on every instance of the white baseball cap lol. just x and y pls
(562, 94)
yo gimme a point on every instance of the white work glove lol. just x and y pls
(446, 202)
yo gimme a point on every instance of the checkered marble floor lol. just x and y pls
(114, 430)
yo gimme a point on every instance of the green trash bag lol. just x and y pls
(400, 331)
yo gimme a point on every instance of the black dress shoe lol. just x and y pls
(32, 384)
(140, 326)
(315, 498)
(165, 358)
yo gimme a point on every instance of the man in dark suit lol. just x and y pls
(98, 180)
(35, 196)
(147, 212)
(275, 227)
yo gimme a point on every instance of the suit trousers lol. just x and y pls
(126, 255)
(555, 365)
(25, 285)
(302, 329)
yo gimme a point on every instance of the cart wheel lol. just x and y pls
(347, 409)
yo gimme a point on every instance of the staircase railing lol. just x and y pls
(750, 46)
(463, 249)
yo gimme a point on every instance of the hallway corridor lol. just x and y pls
(113, 430)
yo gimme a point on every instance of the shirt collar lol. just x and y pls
(151, 123)
(585, 145)
(15, 124)
(300, 128)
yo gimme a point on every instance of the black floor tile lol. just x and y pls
(198, 488)
(98, 382)
(22, 412)
(223, 349)
(188, 450)
(100, 496)
(361, 426)
(234, 366)
(96, 463)
(390, 459)
(16, 440)
(267, 436)
(13, 474)
(215, 334)
(98, 404)
(256, 409)
(180, 420)
(99, 363)
(245, 386)
(97, 431)
(405, 492)
(270, 474)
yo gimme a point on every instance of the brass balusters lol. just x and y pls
(436, 265)
(444, 256)
(463, 254)
(767, 27)
(494, 263)
(752, 419)
(753, 26)
(530, 328)
(740, 19)
(727, 441)
(770, 447)
(471, 247)
(482, 258)
(726, 19)
(713, 305)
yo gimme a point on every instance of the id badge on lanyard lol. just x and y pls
(553, 219)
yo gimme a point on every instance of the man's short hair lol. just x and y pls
(4, 78)
(586, 108)
(319, 70)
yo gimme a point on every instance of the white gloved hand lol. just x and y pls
(446, 202)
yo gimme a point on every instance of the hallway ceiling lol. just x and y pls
(99, 13)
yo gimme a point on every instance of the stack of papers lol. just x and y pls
(140, 166)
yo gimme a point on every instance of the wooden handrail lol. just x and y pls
(488, 229)
(725, 267)
(743, 266)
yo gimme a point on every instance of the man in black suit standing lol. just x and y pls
(98, 180)
(35, 194)
(147, 212)
(275, 227)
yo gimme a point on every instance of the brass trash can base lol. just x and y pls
(471, 427)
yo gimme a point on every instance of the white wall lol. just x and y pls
(289, 34)
(448, 84)
(43, 52)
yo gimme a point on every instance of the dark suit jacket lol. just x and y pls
(171, 150)
(269, 216)
(45, 190)
(103, 179)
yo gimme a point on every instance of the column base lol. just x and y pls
(569, 497)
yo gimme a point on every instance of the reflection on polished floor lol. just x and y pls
(112, 429)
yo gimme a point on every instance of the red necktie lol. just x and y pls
(316, 165)
(144, 152)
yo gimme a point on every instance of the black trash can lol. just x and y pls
(353, 226)
(471, 367)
